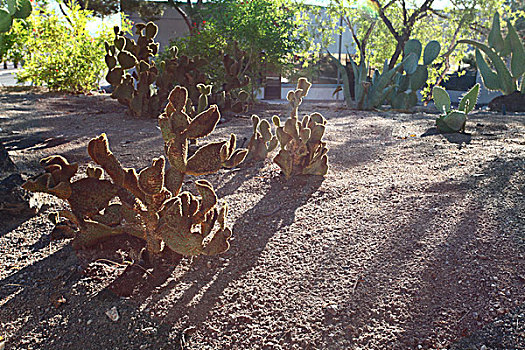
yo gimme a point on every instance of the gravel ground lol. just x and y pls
(413, 240)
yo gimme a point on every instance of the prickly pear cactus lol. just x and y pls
(453, 120)
(231, 97)
(114, 200)
(504, 77)
(262, 141)
(404, 95)
(301, 149)
(13, 9)
(138, 83)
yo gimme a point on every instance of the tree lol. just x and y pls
(268, 30)
(373, 26)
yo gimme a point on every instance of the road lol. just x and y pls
(7, 77)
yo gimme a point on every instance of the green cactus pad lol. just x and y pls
(441, 99)
(413, 46)
(468, 101)
(431, 52)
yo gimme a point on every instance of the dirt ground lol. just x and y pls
(413, 240)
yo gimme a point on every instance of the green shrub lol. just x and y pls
(60, 52)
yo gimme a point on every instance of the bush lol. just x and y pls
(13, 43)
(60, 52)
(270, 32)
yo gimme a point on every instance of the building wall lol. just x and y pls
(171, 25)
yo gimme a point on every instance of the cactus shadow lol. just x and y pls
(252, 231)
(461, 139)
(34, 297)
(436, 292)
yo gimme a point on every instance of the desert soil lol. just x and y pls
(413, 240)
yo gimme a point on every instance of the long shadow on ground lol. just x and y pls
(433, 271)
(252, 232)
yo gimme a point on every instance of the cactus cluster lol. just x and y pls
(453, 120)
(415, 75)
(138, 83)
(301, 149)
(148, 204)
(506, 79)
(262, 141)
(369, 94)
(14, 9)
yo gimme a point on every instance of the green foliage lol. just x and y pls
(11, 10)
(383, 36)
(12, 43)
(504, 78)
(270, 33)
(61, 54)
(453, 120)
(148, 204)
(302, 151)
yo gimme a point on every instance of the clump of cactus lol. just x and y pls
(301, 149)
(229, 96)
(137, 81)
(415, 75)
(13, 9)
(148, 204)
(498, 51)
(451, 120)
(262, 141)
(369, 93)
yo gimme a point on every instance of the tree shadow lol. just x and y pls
(436, 288)
(55, 304)
(252, 232)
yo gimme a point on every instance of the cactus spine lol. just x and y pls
(148, 204)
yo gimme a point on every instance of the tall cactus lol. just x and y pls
(14, 9)
(138, 83)
(148, 204)
(415, 75)
(506, 79)
(301, 149)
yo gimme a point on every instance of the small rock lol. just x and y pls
(332, 309)
(89, 322)
(113, 314)
(483, 347)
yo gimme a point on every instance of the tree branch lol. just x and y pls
(183, 14)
